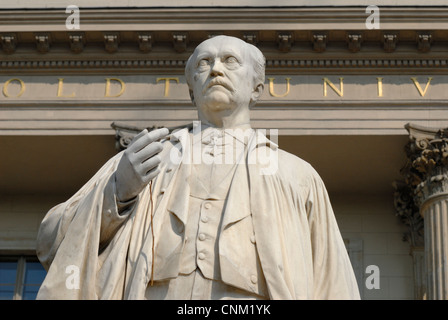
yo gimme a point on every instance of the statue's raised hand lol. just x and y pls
(139, 164)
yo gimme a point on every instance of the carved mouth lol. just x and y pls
(219, 82)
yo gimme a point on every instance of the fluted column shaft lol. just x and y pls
(427, 176)
(435, 213)
(418, 257)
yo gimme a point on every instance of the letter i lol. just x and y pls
(380, 86)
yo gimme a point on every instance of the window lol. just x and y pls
(20, 278)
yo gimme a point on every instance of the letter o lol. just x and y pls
(5, 87)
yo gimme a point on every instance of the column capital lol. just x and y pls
(125, 132)
(124, 135)
(426, 170)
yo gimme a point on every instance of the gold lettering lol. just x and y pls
(5, 87)
(167, 84)
(340, 91)
(380, 86)
(122, 84)
(60, 89)
(271, 88)
(419, 88)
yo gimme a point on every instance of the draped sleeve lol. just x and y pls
(333, 273)
(301, 249)
(71, 235)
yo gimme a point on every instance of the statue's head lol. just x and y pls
(225, 75)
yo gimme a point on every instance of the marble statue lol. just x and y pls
(215, 211)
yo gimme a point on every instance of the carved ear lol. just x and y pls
(256, 94)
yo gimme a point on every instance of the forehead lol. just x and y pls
(221, 45)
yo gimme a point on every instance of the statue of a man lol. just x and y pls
(195, 214)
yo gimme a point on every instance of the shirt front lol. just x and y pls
(200, 275)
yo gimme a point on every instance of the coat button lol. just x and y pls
(202, 237)
(201, 256)
(208, 205)
(204, 219)
(253, 279)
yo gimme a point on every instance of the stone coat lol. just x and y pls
(300, 248)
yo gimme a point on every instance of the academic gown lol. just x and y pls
(301, 251)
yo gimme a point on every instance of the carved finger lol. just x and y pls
(148, 152)
(150, 163)
(158, 134)
(137, 137)
(151, 174)
(146, 139)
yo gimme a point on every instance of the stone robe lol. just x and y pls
(301, 251)
(199, 274)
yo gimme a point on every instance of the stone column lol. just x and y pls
(418, 257)
(409, 214)
(427, 175)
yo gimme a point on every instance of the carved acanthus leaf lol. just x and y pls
(427, 168)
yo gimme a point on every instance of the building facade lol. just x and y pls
(358, 91)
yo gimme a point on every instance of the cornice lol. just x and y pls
(216, 18)
(283, 66)
(293, 39)
(302, 48)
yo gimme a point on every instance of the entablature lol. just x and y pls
(141, 51)
(287, 36)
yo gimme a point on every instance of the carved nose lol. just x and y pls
(216, 73)
(216, 70)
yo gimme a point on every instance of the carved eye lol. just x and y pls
(231, 60)
(203, 63)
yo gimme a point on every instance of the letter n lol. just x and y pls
(340, 91)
